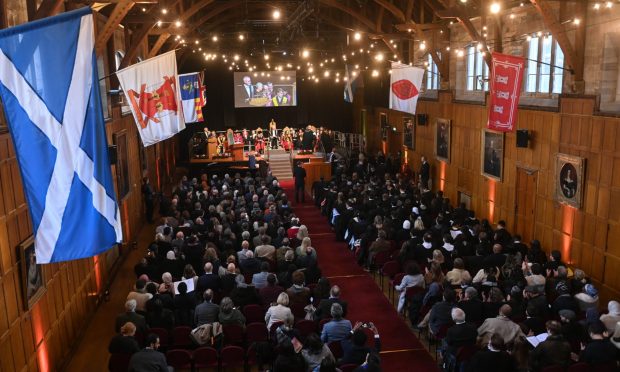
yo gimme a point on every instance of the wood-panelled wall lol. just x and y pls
(588, 236)
(42, 337)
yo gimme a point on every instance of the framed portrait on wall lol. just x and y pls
(442, 140)
(122, 166)
(33, 282)
(384, 125)
(409, 132)
(492, 154)
(569, 179)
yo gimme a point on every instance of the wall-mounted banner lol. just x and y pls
(506, 79)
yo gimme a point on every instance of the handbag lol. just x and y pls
(206, 333)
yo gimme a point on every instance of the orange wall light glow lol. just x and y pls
(442, 175)
(568, 216)
(492, 185)
(39, 338)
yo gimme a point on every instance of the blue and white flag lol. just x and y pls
(192, 96)
(352, 79)
(49, 87)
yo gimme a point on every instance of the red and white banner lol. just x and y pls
(405, 86)
(506, 80)
(152, 91)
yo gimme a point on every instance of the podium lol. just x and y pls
(236, 150)
(315, 169)
(211, 147)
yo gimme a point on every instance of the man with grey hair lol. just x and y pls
(459, 335)
(130, 315)
(245, 247)
(325, 305)
(471, 305)
(338, 328)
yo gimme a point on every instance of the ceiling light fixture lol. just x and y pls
(495, 8)
(276, 14)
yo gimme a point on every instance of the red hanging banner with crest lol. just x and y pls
(506, 80)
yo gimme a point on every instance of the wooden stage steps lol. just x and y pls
(280, 164)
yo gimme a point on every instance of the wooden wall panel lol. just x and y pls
(588, 236)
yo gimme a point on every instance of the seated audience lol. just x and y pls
(207, 312)
(354, 347)
(554, 351)
(338, 328)
(612, 317)
(414, 278)
(315, 351)
(459, 335)
(269, 294)
(493, 357)
(124, 343)
(325, 306)
(229, 314)
(149, 359)
(501, 326)
(599, 350)
(130, 315)
(279, 312)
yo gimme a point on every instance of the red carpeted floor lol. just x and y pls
(401, 350)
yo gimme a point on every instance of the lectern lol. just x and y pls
(237, 151)
(211, 147)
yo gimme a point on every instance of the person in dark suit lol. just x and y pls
(148, 196)
(471, 305)
(308, 139)
(459, 335)
(206, 312)
(124, 343)
(300, 181)
(425, 172)
(246, 91)
(250, 265)
(149, 359)
(354, 348)
(324, 308)
(130, 315)
(208, 280)
(493, 358)
(554, 351)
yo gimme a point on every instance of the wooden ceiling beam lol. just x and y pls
(409, 10)
(161, 40)
(118, 13)
(48, 8)
(574, 62)
(358, 16)
(405, 27)
(216, 11)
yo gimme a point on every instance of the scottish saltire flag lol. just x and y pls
(152, 90)
(352, 81)
(192, 96)
(405, 87)
(49, 87)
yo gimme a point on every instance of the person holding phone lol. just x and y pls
(355, 349)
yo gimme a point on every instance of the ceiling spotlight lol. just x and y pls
(379, 57)
(144, 10)
(495, 8)
(326, 74)
(479, 46)
(448, 48)
(576, 21)
(266, 57)
(310, 69)
(460, 53)
(463, 1)
(241, 37)
(337, 80)
(528, 38)
(158, 23)
(177, 23)
(375, 73)
(164, 11)
(276, 14)
(316, 80)
(423, 45)
(305, 53)
(333, 60)
(357, 36)
(214, 38)
(236, 57)
(597, 6)
(609, 4)
(197, 42)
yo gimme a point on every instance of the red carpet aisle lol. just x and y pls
(401, 350)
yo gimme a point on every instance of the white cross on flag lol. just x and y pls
(405, 85)
(49, 87)
(152, 90)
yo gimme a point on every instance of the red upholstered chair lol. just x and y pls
(305, 327)
(256, 332)
(205, 357)
(298, 310)
(119, 362)
(410, 293)
(232, 356)
(554, 369)
(164, 338)
(250, 356)
(233, 334)
(379, 260)
(179, 359)
(336, 348)
(389, 269)
(398, 278)
(348, 367)
(254, 313)
(272, 329)
(181, 339)
(579, 367)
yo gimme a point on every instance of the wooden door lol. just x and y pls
(525, 203)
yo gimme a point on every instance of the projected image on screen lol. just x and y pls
(265, 89)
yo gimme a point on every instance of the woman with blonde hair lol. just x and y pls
(302, 232)
(279, 312)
